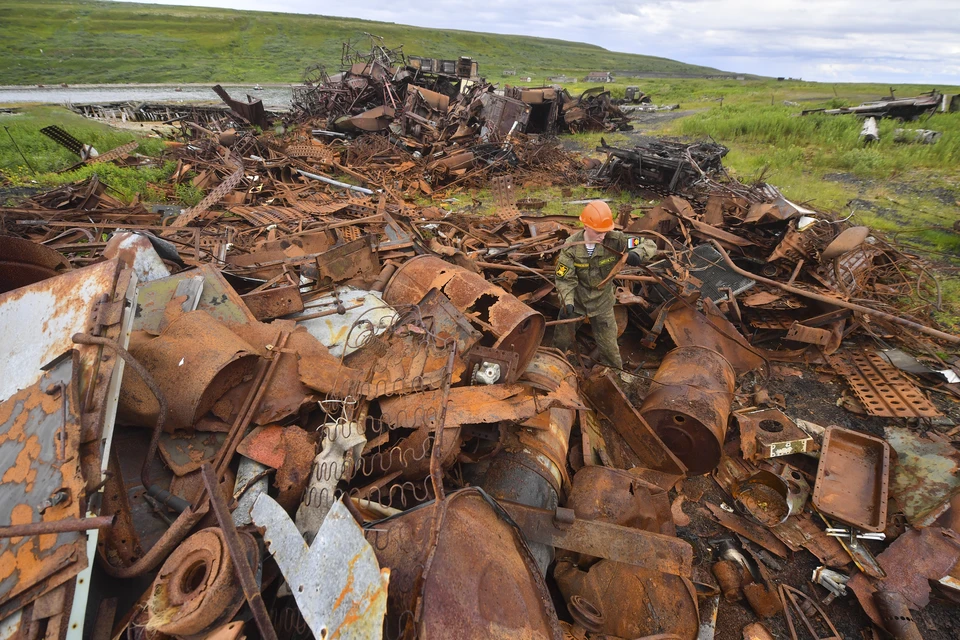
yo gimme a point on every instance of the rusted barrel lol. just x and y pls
(514, 325)
(689, 403)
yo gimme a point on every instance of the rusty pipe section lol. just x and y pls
(56, 526)
(515, 326)
(689, 404)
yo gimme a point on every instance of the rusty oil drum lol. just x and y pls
(515, 326)
(689, 403)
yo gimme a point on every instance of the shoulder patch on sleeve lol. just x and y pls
(562, 270)
(633, 242)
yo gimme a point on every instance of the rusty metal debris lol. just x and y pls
(341, 351)
(853, 479)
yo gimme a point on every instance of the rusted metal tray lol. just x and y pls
(853, 478)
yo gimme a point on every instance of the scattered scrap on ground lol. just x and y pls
(323, 399)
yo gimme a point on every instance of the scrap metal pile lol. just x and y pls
(309, 405)
(439, 108)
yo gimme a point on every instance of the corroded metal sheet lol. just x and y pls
(42, 482)
(604, 394)
(39, 321)
(473, 578)
(882, 389)
(217, 298)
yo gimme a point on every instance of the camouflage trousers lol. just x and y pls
(604, 327)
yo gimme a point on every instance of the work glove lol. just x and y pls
(634, 259)
(566, 312)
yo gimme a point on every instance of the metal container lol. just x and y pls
(513, 325)
(689, 403)
(23, 262)
(853, 479)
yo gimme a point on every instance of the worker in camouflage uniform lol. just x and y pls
(585, 262)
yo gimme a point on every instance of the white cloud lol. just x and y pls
(837, 40)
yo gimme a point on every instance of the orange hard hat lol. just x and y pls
(597, 216)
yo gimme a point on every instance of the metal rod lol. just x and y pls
(335, 183)
(7, 129)
(235, 547)
(56, 526)
(834, 301)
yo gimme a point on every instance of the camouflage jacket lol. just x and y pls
(579, 274)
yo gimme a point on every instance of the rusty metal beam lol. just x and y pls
(247, 580)
(652, 551)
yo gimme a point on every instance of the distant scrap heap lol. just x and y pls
(428, 104)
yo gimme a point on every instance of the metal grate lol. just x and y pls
(881, 388)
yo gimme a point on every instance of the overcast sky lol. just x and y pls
(895, 41)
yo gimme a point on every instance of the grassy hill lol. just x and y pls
(54, 41)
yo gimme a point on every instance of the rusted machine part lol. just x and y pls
(196, 589)
(585, 614)
(729, 578)
(515, 326)
(835, 301)
(633, 602)
(763, 599)
(196, 360)
(853, 478)
(23, 262)
(235, 544)
(531, 467)
(770, 499)
(56, 526)
(615, 496)
(478, 581)
(689, 403)
(896, 615)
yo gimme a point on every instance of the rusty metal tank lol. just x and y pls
(513, 325)
(23, 262)
(689, 403)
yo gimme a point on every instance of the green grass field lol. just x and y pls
(55, 41)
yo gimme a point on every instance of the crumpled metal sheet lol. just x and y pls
(689, 327)
(475, 580)
(925, 477)
(910, 562)
(482, 404)
(347, 599)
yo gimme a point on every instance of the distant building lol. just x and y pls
(509, 72)
(561, 79)
(599, 76)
